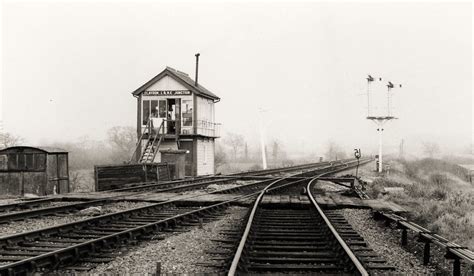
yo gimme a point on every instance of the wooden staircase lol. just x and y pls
(152, 143)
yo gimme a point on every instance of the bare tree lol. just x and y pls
(275, 150)
(123, 141)
(9, 140)
(221, 156)
(235, 141)
(334, 152)
(430, 148)
(84, 152)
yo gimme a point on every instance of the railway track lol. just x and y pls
(25, 205)
(73, 207)
(298, 238)
(35, 208)
(288, 169)
(52, 247)
(219, 179)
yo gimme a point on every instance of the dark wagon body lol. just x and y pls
(31, 170)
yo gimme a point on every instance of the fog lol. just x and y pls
(68, 69)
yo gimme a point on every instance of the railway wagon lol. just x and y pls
(33, 170)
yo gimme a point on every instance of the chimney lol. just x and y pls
(197, 69)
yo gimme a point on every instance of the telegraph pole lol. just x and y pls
(262, 138)
(402, 144)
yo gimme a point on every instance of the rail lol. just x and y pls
(453, 251)
(284, 169)
(32, 263)
(334, 232)
(76, 250)
(240, 249)
(164, 187)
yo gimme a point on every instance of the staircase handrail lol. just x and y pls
(162, 127)
(148, 125)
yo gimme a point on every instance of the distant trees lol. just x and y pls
(236, 142)
(122, 141)
(84, 153)
(238, 149)
(278, 153)
(220, 157)
(334, 151)
(246, 152)
(9, 140)
(275, 149)
(430, 148)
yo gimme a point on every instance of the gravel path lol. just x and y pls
(330, 186)
(385, 243)
(39, 223)
(178, 253)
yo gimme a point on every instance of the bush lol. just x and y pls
(439, 179)
(410, 170)
(434, 198)
(439, 193)
(81, 180)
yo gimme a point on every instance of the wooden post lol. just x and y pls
(139, 128)
(169, 173)
(456, 267)
(404, 236)
(146, 173)
(158, 269)
(426, 253)
(158, 173)
(96, 174)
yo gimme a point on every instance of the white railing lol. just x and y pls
(198, 127)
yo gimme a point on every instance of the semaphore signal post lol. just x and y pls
(380, 119)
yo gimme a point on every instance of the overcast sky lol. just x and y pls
(69, 69)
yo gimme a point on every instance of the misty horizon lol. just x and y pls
(69, 68)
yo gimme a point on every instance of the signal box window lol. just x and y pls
(150, 109)
(146, 112)
(187, 113)
(162, 109)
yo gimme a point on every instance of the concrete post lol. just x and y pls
(380, 131)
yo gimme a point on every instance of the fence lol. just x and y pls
(119, 176)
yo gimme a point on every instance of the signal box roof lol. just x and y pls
(180, 77)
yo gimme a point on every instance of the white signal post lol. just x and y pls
(380, 120)
(262, 138)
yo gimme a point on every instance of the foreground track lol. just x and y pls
(73, 207)
(35, 208)
(25, 205)
(65, 244)
(296, 239)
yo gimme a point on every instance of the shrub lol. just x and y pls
(434, 198)
(439, 179)
(439, 194)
